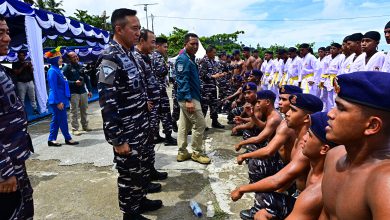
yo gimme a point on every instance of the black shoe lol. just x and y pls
(174, 127)
(148, 205)
(231, 122)
(71, 142)
(36, 112)
(207, 128)
(53, 144)
(158, 139)
(153, 188)
(216, 124)
(155, 175)
(170, 141)
(133, 217)
(248, 214)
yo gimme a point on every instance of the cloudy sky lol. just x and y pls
(284, 22)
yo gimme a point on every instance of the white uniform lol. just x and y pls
(275, 79)
(375, 63)
(293, 70)
(346, 65)
(323, 65)
(268, 69)
(327, 78)
(358, 63)
(285, 76)
(308, 73)
(386, 64)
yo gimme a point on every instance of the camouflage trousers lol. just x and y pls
(235, 112)
(164, 112)
(277, 204)
(210, 100)
(260, 168)
(176, 107)
(18, 205)
(134, 176)
(223, 92)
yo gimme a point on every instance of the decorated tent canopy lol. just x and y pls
(30, 26)
(52, 25)
(86, 54)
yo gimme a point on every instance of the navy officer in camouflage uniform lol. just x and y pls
(161, 70)
(123, 99)
(16, 201)
(144, 48)
(209, 72)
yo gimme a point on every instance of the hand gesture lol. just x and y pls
(236, 195)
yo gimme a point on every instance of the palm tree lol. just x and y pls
(40, 4)
(55, 7)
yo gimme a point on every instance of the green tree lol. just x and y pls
(40, 4)
(226, 42)
(175, 41)
(223, 42)
(54, 6)
(94, 20)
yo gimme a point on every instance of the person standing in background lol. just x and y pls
(59, 95)
(80, 90)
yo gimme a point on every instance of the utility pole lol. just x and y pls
(152, 16)
(146, 10)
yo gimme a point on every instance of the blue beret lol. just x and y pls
(235, 52)
(306, 102)
(238, 78)
(266, 94)
(249, 86)
(257, 73)
(289, 89)
(369, 88)
(247, 74)
(319, 121)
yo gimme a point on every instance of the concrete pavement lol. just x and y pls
(79, 182)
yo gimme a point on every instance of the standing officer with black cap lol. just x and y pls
(374, 59)
(308, 78)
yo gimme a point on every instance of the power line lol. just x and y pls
(270, 20)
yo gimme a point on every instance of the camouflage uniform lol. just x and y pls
(15, 148)
(260, 168)
(223, 83)
(164, 111)
(277, 204)
(208, 68)
(123, 99)
(153, 92)
(176, 107)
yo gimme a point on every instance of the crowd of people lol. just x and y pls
(308, 124)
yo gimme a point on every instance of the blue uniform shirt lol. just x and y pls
(187, 78)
